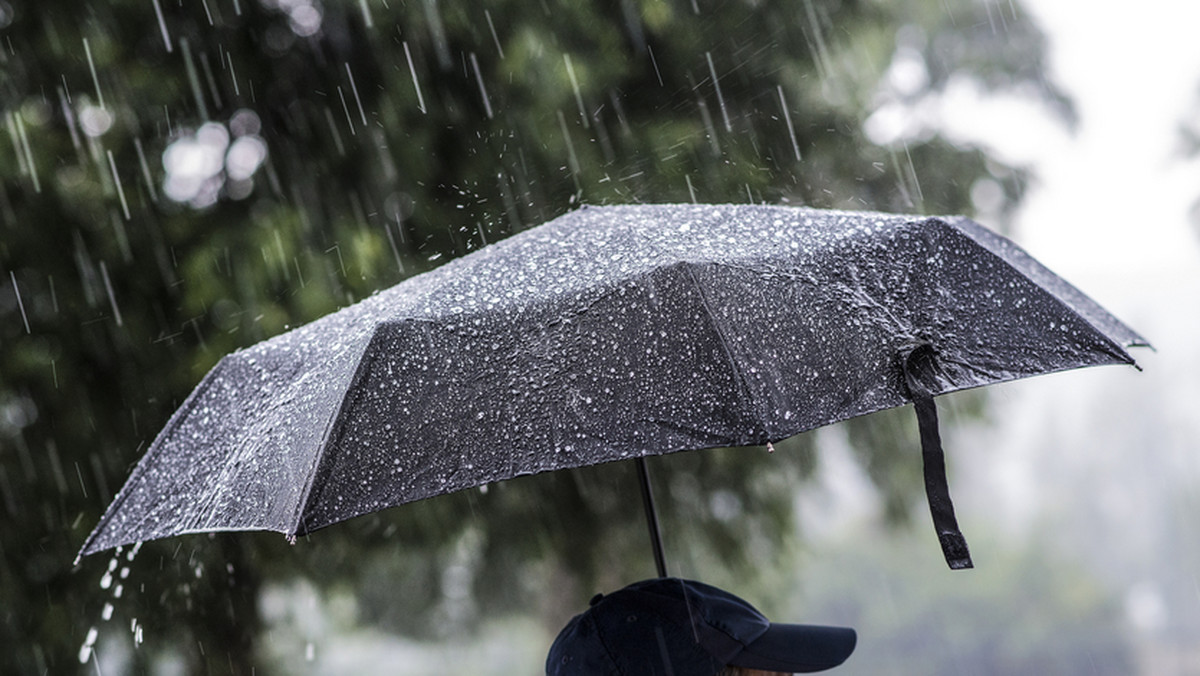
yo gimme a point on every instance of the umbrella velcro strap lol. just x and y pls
(937, 490)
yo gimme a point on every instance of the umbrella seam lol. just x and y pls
(744, 393)
(333, 428)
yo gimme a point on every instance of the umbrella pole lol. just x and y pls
(651, 517)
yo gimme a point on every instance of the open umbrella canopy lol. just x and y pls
(608, 333)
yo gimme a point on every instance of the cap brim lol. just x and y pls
(798, 648)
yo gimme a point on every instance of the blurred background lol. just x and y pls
(181, 179)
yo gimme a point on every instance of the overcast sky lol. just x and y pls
(1096, 457)
(1115, 195)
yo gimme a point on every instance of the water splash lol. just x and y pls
(111, 572)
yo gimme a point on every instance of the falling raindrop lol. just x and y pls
(492, 28)
(87, 48)
(333, 130)
(416, 85)
(233, 74)
(578, 94)
(441, 44)
(193, 79)
(112, 298)
(85, 651)
(706, 117)
(787, 117)
(162, 26)
(145, 166)
(720, 97)
(654, 62)
(27, 152)
(487, 105)
(572, 158)
(354, 88)
(20, 304)
(346, 110)
(112, 164)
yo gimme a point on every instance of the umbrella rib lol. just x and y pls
(743, 385)
(333, 430)
(1066, 294)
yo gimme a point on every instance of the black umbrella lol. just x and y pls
(609, 333)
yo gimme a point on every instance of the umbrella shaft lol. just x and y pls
(651, 517)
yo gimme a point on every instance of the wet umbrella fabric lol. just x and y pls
(608, 333)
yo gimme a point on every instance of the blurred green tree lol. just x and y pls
(183, 179)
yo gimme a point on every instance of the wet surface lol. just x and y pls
(609, 333)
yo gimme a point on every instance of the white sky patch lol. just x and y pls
(907, 74)
(245, 155)
(304, 16)
(95, 120)
(1015, 127)
(1115, 196)
(194, 163)
(1099, 457)
(198, 165)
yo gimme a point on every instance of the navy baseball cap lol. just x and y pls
(673, 627)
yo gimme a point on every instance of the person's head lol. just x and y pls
(686, 628)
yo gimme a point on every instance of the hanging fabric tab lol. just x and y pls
(916, 361)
